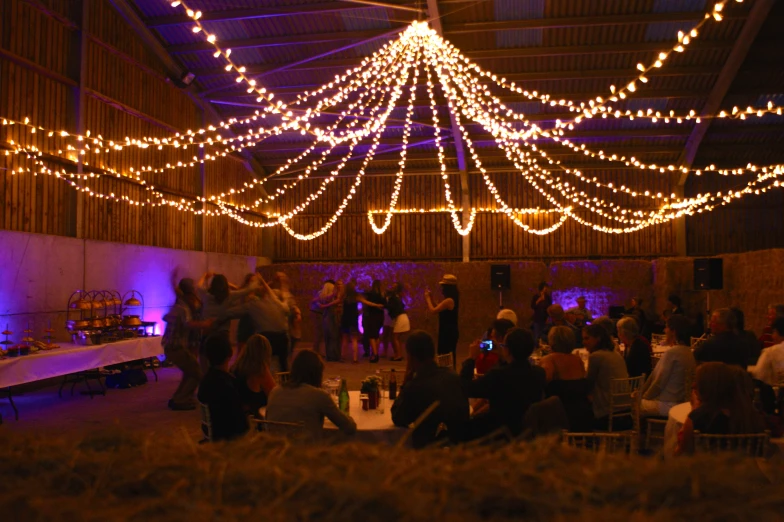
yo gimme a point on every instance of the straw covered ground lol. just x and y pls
(119, 476)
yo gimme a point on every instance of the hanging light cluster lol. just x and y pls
(365, 97)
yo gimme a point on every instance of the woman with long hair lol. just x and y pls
(721, 404)
(302, 399)
(372, 317)
(604, 365)
(400, 323)
(447, 310)
(252, 370)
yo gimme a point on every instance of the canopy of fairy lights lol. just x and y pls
(364, 97)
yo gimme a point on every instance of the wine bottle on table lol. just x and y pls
(343, 402)
(392, 385)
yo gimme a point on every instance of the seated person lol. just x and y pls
(218, 390)
(509, 389)
(638, 350)
(580, 313)
(774, 312)
(670, 381)
(558, 318)
(507, 314)
(749, 343)
(770, 367)
(425, 383)
(604, 365)
(720, 405)
(565, 374)
(488, 359)
(252, 370)
(302, 399)
(561, 363)
(609, 326)
(723, 345)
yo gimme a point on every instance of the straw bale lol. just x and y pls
(166, 476)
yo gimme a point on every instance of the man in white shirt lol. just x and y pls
(670, 381)
(770, 367)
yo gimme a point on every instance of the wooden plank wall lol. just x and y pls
(221, 232)
(751, 223)
(32, 203)
(432, 236)
(415, 236)
(127, 95)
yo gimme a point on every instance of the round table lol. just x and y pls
(372, 425)
(675, 420)
(660, 348)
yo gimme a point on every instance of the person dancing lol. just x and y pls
(400, 323)
(447, 311)
(372, 317)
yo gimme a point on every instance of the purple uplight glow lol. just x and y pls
(597, 300)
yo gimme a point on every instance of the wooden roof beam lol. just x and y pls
(275, 41)
(491, 54)
(272, 12)
(620, 75)
(175, 70)
(279, 68)
(729, 71)
(584, 21)
(434, 18)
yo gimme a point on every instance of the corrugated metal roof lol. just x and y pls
(662, 31)
(519, 10)
(666, 31)
(678, 6)
(364, 19)
(661, 141)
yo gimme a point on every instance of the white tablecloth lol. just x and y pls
(675, 420)
(72, 358)
(372, 425)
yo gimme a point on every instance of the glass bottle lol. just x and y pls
(343, 400)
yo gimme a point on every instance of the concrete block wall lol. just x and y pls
(38, 273)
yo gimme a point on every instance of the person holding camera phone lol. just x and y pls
(488, 357)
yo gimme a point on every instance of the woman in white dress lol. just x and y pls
(400, 323)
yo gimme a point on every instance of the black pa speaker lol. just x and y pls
(709, 273)
(501, 277)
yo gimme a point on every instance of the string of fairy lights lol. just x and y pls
(362, 100)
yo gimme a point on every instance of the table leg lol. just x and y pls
(62, 384)
(10, 397)
(152, 367)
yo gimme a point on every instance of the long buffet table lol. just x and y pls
(73, 358)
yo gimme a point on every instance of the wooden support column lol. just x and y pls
(200, 225)
(729, 71)
(435, 21)
(77, 70)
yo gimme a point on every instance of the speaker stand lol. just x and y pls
(707, 311)
(500, 299)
